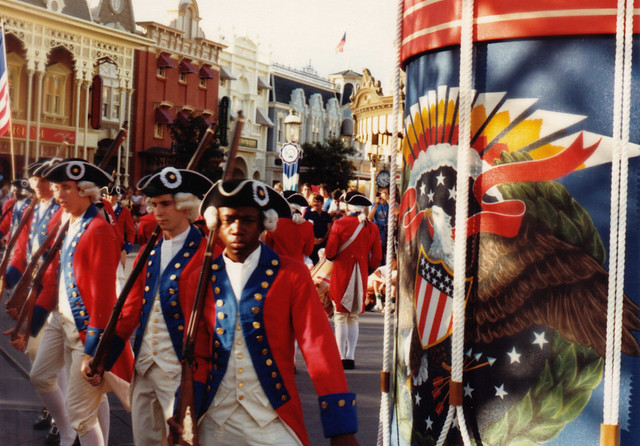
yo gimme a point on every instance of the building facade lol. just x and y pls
(55, 50)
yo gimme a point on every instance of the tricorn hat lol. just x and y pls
(171, 180)
(22, 184)
(76, 169)
(355, 198)
(295, 198)
(43, 166)
(112, 189)
(245, 193)
(35, 166)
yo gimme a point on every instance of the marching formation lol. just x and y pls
(199, 341)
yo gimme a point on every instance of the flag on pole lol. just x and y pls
(340, 46)
(5, 110)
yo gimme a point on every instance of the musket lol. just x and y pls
(104, 345)
(185, 413)
(26, 310)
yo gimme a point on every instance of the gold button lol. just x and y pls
(240, 397)
(214, 278)
(180, 328)
(192, 243)
(268, 362)
(260, 338)
(256, 325)
(257, 296)
(176, 316)
(324, 405)
(172, 291)
(240, 356)
(221, 316)
(78, 304)
(274, 374)
(215, 356)
(220, 302)
(153, 252)
(264, 284)
(70, 274)
(186, 254)
(155, 353)
(155, 342)
(215, 267)
(174, 303)
(238, 327)
(150, 263)
(74, 294)
(92, 332)
(155, 321)
(269, 272)
(71, 285)
(255, 310)
(146, 288)
(220, 331)
(155, 331)
(173, 277)
(74, 244)
(215, 367)
(216, 290)
(148, 275)
(265, 351)
(274, 262)
(341, 403)
(177, 265)
(217, 343)
(239, 342)
(240, 385)
(279, 386)
(240, 370)
(283, 397)
(156, 310)
(353, 402)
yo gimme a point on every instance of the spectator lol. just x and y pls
(321, 225)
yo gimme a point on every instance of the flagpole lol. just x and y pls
(4, 57)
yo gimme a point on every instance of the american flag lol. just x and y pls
(434, 306)
(5, 110)
(340, 46)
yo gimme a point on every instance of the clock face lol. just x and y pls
(383, 179)
(289, 153)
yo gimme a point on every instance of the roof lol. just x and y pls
(73, 8)
(282, 88)
(347, 72)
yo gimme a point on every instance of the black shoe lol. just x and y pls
(44, 421)
(53, 437)
(348, 364)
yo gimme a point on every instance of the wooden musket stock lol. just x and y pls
(185, 414)
(104, 345)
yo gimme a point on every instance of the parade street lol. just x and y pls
(20, 405)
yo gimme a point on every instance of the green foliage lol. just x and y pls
(552, 206)
(558, 396)
(327, 163)
(186, 134)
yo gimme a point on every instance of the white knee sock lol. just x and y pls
(352, 337)
(93, 437)
(340, 323)
(54, 402)
(104, 419)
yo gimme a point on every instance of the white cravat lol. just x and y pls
(239, 273)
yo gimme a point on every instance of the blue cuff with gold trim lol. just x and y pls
(40, 316)
(127, 247)
(91, 343)
(338, 414)
(13, 276)
(117, 345)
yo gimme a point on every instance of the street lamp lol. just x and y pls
(375, 158)
(290, 152)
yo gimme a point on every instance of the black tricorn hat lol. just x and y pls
(112, 189)
(43, 166)
(296, 198)
(356, 199)
(35, 166)
(245, 193)
(171, 180)
(76, 169)
(22, 184)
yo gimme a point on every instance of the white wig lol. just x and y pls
(296, 214)
(269, 222)
(186, 201)
(358, 210)
(89, 189)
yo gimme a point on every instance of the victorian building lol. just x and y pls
(71, 67)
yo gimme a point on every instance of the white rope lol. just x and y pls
(384, 425)
(462, 211)
(618, 220)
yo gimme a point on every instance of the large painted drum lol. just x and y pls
(538, 225)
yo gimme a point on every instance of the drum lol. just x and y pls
(321, 275)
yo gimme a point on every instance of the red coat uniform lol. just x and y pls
(279, 305)
(92, 261)
(124, 227)
(146, 225)
(365, 250)
(5, 224)
(176, 287)
(291, 239)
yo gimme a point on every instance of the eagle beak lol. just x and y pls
(427, 213)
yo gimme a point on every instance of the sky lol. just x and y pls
(299, 32)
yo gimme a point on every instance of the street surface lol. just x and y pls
(20, 405)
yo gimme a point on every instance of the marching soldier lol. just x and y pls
(354, 247)
(158, 308)
(293, 236)
(22, 192)
(262, 303)
(80, 302)
(124, 227)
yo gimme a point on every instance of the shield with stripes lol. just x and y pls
(433, 300)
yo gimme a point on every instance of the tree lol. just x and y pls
(327, 163)
(186, 134)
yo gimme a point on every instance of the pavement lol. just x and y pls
(20, 405)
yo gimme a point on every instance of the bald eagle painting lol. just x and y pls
(536, 278)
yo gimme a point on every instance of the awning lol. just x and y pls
(207, 73)
(164, 116)
(164, 61)
(263, 119)
(187, 67)
(263, 84)
(184, 115)
(226, 74)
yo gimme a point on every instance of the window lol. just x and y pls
(162, 72)
(55, 86)
(203, 82)
(158, 130)
(183, 78)
(15, 64)
(111, 95)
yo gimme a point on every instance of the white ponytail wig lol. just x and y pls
(269, 222)
(186, 201)
(357, 209)
(89, 189)
(296, 214)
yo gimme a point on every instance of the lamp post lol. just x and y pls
(375, 158)
(290, 152)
